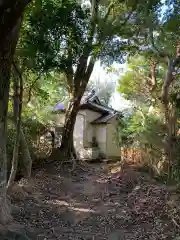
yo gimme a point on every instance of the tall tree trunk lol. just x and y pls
(4, 96)
(67, 146)
(14, 165)
(17, 104)
(81, 79)
(170, 110)
(171, 140)
(77, 83)
(18, 93)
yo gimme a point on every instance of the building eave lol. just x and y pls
(105, 119)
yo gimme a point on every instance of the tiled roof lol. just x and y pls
(92, 102)
(90, 98)
(59, 106)
(96, 107)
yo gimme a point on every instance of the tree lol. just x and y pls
(10, 21)
(164, 44)
(142, 81)
(70, 36)
(20, 146)
(144, 128)
(151, 78)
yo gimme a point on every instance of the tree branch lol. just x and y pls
(111, 5)
(69, 76)
(17, 70)
(20, 86)
(69, 69)
(168, 80)
(130, 13)
(172, 64)
(177, 59)
(122, 25)
(85, 78)
(82, 65)
(30, 89)
(154, 48)
(90, 67)
(153, 65)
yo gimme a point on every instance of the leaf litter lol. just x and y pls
(97, 203)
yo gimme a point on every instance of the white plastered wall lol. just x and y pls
(89, 132)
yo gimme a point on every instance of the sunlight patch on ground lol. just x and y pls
(85, 210)
(102, 180)
(59, 203)
(66, 204)
(136, 188)
(116, 169)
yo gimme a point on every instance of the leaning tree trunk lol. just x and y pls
(82, 76)
(67, 146)
(77, 83)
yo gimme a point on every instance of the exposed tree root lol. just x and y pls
(69, 157)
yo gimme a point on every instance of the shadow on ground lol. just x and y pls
(100, 202)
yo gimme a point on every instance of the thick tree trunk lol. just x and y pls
(78, 85)
(170, 118)
(171, 138)
(67, 146)
(170, 111)
(6, 55)
(167, 82)
(4, 90)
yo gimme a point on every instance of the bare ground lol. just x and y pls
(100, 202)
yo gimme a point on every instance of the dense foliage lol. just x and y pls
(153, 124)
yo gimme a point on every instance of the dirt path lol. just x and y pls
(96, 204)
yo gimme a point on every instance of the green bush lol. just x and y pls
(146, 131)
